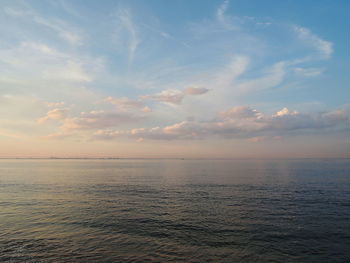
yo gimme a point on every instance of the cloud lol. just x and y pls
(106, 135)
(234, 57)
(46, 63)
(167, 96)
(147, 109)
(60, 27)
(55, 104)
(220, 12)
(55, 114)
(308, 72)
(126, 104)
(15, 12)
(63, 30)
(271, 78)
(243, 122)
(324, 48)
(98, 120)
(240, 112)
(126, 24)
(173, 96)
(285, 112)
(182, 130)
(228, 22)
(58, 136)
(264, 138)
(236, 67)
(9, 134)
(40, 70)
(195, 91)
(73, 71)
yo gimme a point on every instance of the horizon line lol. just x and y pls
(167, 158)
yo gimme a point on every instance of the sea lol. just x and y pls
(174, 210)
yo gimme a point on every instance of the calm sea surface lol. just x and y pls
(174, 211)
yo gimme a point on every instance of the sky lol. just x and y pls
(175, 79)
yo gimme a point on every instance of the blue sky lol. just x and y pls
(152, 78)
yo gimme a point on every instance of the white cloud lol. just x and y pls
(60, 27)
(220, 13)
(63, 30)
(30, 59)
(16, 12)
(228, 22)
(308, 72)
(271, 78)
(125, 23)
(324, 48)
(35, 68)
(235, 68)
(284, 112)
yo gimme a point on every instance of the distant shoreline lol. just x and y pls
(163, 158)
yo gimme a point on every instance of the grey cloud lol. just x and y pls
(244, 122)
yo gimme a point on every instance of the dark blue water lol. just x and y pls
(174, 211)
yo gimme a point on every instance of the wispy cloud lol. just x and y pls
(9, 134)
(323, 47)
(39, 58)
(228, 22)
(126, 23)
(65, 31)
(220, 12)
(308, 72)
(272, 77)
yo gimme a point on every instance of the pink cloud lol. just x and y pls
(55, 114)
(167, 96)
(195, 91)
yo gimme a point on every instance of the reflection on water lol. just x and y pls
(174, 210)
